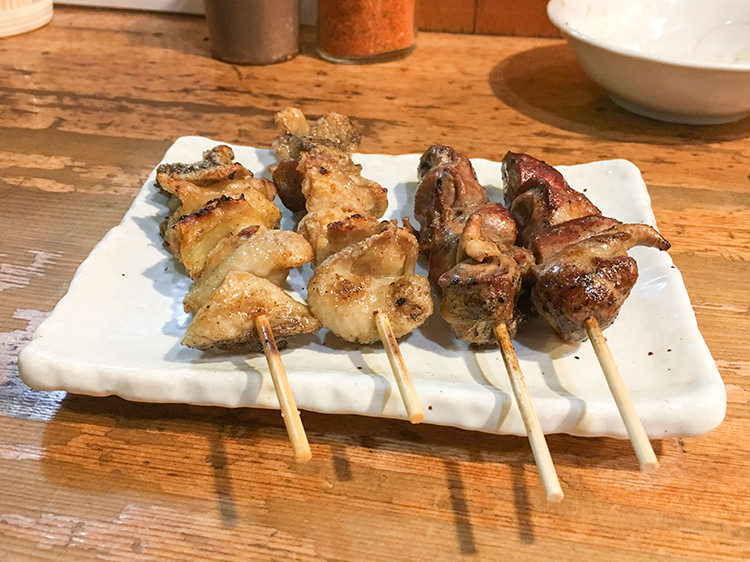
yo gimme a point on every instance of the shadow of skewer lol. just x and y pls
(521, 503)
(222, 480)
(460, 508)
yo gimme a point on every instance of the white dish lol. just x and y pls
(683, 62)
(118, 330)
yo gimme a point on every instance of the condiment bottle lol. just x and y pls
(365, 31)
(253, 31)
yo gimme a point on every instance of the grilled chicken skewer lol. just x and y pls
(469, 244)
(223, 228)
(582, 274)
(363, 287)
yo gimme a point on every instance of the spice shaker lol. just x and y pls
(253, 31)
(365, 31)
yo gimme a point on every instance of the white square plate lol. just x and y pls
(118, 330)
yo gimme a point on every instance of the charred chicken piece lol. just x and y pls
(468, 242)
(479, 295)
(194, 197)
(217, 164)
(582, 268)
(329, 231)
(217, 171)
(300, 135)
(373, 275)
(333, 134)
(193, 185)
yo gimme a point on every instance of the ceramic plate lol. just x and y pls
(118, 330)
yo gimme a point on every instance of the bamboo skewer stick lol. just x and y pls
(534, 431)
(400, 372)
(289, 411)
(637, 434)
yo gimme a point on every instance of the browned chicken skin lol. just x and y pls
(468, 242)
(582, 268)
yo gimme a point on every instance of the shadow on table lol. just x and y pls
(548, 85)
(147, 429)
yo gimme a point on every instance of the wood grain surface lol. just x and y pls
(89, 103)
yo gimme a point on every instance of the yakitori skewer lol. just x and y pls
(582, 274)
(469, 244)
(223, 229)
(363, 288)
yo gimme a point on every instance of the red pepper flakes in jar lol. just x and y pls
(364, 31)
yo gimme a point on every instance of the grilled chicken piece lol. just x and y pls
(331, 230)
(468, 241)
(265, 253)
(448, 182)
(332, 131)
(373, 275)
(590, 278)
(539, 197)
(582, 268)
(193, 237)
(227, 319)
(454, 211)
(194, 197)
(557, 237)
(332, 181)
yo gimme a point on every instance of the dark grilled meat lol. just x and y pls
(539, 197)
(582, 268)
(468, 242)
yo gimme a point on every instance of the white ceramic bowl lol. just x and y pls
(683, 61)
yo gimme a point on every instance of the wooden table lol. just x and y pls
(90, 103)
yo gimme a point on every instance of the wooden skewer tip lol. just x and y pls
(641, 444)
(414, 410)
(534, 431)
(289, 412)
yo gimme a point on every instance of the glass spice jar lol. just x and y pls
(365, 31)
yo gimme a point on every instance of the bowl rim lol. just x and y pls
(554, 5)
